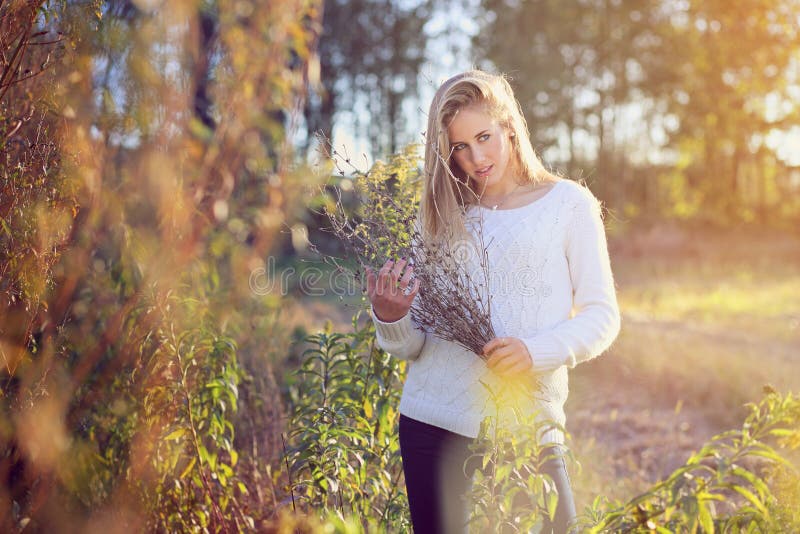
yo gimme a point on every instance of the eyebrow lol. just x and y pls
(453, 143)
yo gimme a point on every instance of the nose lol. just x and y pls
(478, 156)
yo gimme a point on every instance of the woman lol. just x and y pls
(553, 303)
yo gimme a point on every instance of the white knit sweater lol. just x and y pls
(551, 286)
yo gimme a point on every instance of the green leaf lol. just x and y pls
(367, 408)
(751, 497)
(503, 471)
(175, 434)
(189, 467)
(704, 516)
(552, 504)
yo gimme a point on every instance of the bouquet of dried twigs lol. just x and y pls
(453, 303)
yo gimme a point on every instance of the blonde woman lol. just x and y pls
(553, 303)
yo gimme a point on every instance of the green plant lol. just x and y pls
(342, 449)
(343, 468)
(727, 486)
(510, 493)
(189, 398)
(136, 200)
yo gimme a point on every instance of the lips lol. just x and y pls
(484, 171)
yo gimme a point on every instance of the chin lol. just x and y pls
(477, 185)
(487, 182)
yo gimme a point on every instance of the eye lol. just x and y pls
(484, 137)
(460, 146)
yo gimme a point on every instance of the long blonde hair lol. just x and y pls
(446, 190)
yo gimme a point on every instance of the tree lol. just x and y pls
(370, 54)
(577, 65)
(668, 104)
(729, 80)
(156, 180)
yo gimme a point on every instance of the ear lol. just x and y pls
(511, 133)
(507, 127)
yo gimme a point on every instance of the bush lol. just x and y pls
(343, 459)
(741, 480)
(343, 454)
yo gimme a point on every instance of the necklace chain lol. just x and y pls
(505, 197)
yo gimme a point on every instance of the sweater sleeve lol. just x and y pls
(401, 338)
(596, 320)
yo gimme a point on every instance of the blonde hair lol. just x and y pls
(446, 190)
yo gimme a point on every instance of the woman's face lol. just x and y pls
(481, 147)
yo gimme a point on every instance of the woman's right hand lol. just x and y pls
(389, 292)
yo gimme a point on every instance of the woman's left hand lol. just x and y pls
(507, 355)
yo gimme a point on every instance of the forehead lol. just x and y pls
(469, 121)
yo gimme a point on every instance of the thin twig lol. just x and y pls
(288, 472)
(452, 304)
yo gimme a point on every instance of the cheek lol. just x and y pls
(504, 150)
(458, 161)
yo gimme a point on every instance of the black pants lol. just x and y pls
(436, 481)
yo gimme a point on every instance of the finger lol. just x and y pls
(387, 267)
(412, 293)
(519, 367)
(372, 280)
(415, 287)
(495, 357)
(407, 277)
(507, 364)
(489, 347)
(498, 356)
(494, 344)
(508, 370)
(398, 268)
(385, 277)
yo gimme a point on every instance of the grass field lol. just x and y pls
(704, 329)
(706, 323)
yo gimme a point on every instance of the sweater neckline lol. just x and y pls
(540, 200)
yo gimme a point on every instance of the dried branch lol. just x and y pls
(453, 302)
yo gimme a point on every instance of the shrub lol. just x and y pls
(343, 454)
(741, 480)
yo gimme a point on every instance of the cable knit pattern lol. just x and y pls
(551, 286)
